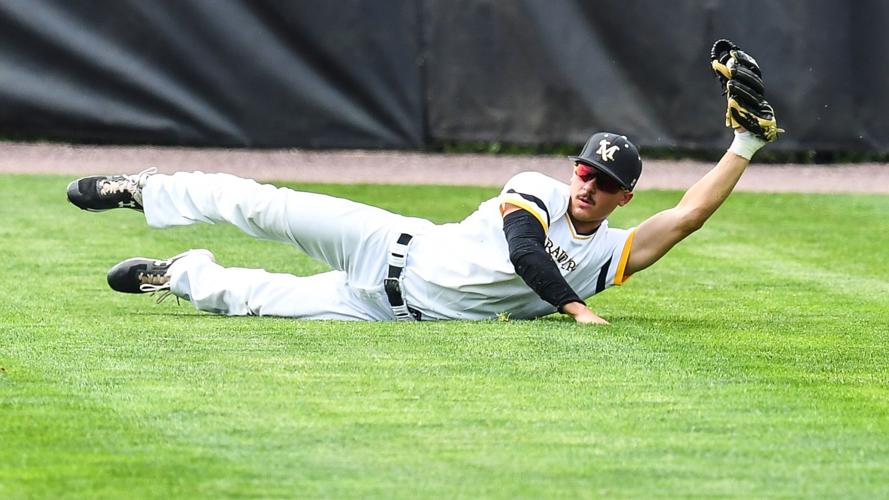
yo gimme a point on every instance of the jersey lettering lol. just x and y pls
(561, 257)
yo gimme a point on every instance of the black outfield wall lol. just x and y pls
(409, 73)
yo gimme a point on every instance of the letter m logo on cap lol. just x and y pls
(605, 152)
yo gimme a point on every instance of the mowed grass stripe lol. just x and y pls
(721, 375)
(406, 392)
(813, 338)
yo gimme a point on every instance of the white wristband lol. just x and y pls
(746, 144)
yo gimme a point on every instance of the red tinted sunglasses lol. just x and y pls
(604, 182)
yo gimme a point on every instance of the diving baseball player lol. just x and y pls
(540, 246)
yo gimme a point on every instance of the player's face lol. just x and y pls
(594, 195)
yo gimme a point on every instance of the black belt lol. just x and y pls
(392, 282)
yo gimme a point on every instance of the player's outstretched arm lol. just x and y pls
(753, 120)
(658, 234)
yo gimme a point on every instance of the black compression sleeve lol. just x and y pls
(525, 237)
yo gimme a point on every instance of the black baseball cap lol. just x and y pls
(613, 154)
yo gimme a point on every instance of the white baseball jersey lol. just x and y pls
(463, 270)
(453, 271)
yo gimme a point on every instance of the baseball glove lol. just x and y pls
(743, 87)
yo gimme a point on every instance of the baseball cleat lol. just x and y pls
(104, 192)
(144, 275)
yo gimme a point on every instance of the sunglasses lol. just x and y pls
(604, 182)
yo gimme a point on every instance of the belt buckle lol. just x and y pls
(392, 285)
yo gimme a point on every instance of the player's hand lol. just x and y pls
(744, 89)
(582, 314)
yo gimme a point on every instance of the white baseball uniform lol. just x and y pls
(452, 271)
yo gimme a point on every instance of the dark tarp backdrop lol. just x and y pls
(412, 73)
(207, 72)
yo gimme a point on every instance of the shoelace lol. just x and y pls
(156, 283)
(122, 183)
(141, 176)
(116, 185)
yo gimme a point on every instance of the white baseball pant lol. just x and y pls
(352, 238)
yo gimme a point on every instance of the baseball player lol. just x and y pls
(540, 246)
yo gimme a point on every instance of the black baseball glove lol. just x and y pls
(742, 84)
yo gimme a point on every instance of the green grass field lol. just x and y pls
(751, 361)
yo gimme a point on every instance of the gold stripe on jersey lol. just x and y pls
(521, 203)
(619, 277)
(574, 233)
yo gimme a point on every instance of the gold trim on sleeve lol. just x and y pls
(619, 277)
(525, 206)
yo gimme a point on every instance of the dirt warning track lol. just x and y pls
(396, 167)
